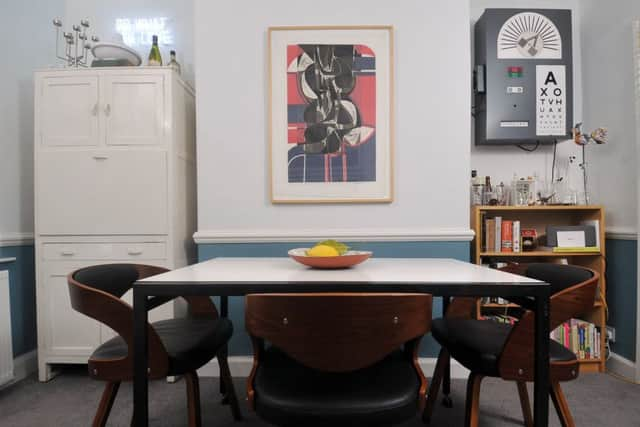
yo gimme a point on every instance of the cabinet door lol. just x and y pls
(102, 192)
(68, 111)
(67, 332)
(133, 109)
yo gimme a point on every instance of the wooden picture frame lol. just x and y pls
(331, 114)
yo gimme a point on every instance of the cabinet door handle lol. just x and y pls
(134, 251)
(107, 109)
(67, 253)
(100, 157)
(94, 110)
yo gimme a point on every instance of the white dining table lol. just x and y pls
(437, 276)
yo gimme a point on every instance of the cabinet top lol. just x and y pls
(57, 71)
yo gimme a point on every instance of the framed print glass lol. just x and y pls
(331, 114)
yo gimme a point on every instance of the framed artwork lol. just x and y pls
(331, 114)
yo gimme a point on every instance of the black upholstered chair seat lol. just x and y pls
(190, 342)
(288, 393)
(477, 344)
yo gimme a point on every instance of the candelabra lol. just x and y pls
(74, 54)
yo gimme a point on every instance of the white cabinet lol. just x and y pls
(114, 182)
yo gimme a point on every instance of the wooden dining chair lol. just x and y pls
(336, 359)
(491, 349)
(176, 346)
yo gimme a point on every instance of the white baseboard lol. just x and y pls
(240, 366)
(622, 366)
(25, 365)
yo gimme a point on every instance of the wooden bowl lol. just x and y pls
(349, 259)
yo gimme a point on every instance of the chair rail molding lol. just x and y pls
(16, 239)
(622, 233)
(361, 235)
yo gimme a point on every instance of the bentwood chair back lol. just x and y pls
(325, 359)
(490, 349)
(176, 346)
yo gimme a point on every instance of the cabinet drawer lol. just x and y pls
(102, 251)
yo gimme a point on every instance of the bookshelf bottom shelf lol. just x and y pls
(588, 366)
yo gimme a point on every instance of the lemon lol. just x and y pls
(322, 251)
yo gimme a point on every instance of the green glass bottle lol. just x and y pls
(154, 55)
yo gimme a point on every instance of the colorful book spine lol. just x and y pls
(507, 236)
(516, 236)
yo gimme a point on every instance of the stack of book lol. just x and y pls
(582, 338)
(501, 318)
(502, 235)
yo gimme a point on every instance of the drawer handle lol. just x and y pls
(67, 253)
(134, 251)
(97, 157)
(107, 109)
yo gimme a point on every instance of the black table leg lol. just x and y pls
(541, 385)
(224, 312)
(140, 359)
(446, 376)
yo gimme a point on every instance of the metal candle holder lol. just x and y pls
(74, 57)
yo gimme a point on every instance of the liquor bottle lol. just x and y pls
(154, 55)
(173, 63)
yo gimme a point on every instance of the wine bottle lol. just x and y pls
(154, 55)
(173, 63)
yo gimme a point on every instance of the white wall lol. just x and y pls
(103, 14)
(432, 65)
(500, 162)
(25, 28)
(609, 101)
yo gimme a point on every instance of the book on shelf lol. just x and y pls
(579, 336)
(490, 235)
(594, 249)
(516, 236)
(506, 236)
(498, 233)
(501, 318)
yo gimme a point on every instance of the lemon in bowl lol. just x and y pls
(323, 251)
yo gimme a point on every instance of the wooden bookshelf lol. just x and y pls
(538, 217)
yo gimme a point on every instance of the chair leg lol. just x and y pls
(446, 382)
(562, 407)
(193, 398)
(227, 380)
(472, 406)
(524, 403)
(106, 402)
(434, 387)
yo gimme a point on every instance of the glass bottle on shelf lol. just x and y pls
(173, 63)
(154, 54)
(477, 189)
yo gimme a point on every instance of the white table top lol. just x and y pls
(374, 270)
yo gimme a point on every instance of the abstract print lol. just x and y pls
(331, 111)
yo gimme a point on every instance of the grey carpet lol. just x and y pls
(71, 400)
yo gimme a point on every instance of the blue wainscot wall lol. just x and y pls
(22, 290)
(241, 345)
(622, 293)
